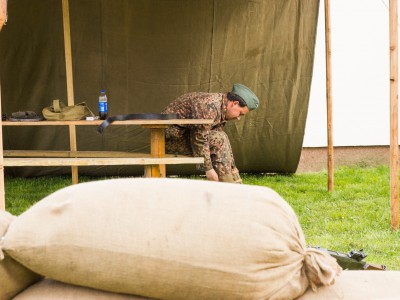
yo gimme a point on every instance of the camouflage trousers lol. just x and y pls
(220, 152)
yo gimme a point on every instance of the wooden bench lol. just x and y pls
(153, 162)
(37, 158)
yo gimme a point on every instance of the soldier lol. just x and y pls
(209, 141)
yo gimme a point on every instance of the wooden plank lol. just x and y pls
(57, 161)
(61, 153)
(394, 132)
(95, 154)
(127, 122)
(329, 95)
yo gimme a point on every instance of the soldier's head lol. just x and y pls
(241, 100)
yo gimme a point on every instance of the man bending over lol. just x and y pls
(209, 141)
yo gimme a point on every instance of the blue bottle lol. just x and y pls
(103, 108)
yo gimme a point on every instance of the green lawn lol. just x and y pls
(356, 215)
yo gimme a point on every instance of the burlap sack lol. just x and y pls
(355, 285)
(54, 290)
(170, 239)
(13, 276)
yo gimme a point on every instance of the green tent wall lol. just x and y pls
(145, 53)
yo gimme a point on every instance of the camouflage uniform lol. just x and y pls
(208, 141)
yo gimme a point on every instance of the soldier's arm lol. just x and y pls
(204, 109)
(201, 146)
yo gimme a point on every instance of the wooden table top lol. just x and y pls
(98, 122)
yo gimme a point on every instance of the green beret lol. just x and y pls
(246, 94)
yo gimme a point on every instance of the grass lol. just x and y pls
(356, 215)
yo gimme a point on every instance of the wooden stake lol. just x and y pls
(70, 81)
(329, 95)
(394, 144)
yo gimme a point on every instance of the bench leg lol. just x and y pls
(157, 149)
(73, 147)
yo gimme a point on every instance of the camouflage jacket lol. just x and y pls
(199, 106)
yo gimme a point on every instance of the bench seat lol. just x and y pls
(16, 158)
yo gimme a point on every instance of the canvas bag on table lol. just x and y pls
(60, 112)
(170, 239)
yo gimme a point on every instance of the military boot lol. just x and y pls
(226, 178)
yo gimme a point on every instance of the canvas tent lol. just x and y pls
(145, 53)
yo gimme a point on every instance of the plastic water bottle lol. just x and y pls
(103, 109)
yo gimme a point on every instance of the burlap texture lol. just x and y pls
(170, 239)
(355, 285)
(13, 276)
(54, 290)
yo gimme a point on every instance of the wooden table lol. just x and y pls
(153, 162)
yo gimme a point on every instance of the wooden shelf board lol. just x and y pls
(100, 161)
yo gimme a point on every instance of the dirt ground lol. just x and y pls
(316, 159)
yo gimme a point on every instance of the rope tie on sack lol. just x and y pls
(321, 268)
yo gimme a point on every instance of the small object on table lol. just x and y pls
(25, 116)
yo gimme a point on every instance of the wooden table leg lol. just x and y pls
(73, 148)
(157, 149)
(2, 190)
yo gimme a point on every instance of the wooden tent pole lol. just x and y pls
(3, 17)
(2, 186)
(70, 82)
(394, 131)
(329, 94)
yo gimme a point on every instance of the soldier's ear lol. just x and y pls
(232, 103)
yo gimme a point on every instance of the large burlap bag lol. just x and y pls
(54, 290)
(13, 276)
(170, 239)
(355, 285)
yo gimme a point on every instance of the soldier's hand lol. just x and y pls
(212, 175)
